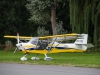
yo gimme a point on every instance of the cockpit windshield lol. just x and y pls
(34, 40)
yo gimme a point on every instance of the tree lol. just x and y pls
(13, 18)
(60, 29)
(84, 18)
(40, 12)
(53, 16)
(42, 32)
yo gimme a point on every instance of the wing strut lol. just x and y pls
(46, 57)
(51, 46)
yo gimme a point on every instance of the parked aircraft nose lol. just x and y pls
(18, 45)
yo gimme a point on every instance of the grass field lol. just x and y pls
(91, 60)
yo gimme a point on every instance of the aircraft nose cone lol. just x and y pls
(18, 45)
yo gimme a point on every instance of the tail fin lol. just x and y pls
(81, 42)
(82, 39)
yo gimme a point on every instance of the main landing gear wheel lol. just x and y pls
(35, 58)
(48, 58)
(23, 58)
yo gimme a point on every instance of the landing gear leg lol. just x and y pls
(24, 57)
(35, 58)
(47, 58)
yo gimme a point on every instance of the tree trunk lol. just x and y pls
(53, 17)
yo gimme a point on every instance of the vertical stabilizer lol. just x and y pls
(82, 39)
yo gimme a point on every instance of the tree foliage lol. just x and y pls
(40, 10)
(43, 12)
(84, 18)
(42, 31)
(13, 18)
(60, 29)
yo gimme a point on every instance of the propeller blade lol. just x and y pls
(17, 38)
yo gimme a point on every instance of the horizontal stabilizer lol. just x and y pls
(89, 45)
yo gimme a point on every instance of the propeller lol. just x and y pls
(17, 43)
(17, 38)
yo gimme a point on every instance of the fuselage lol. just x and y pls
(26, 46)
(29, 46)
(67, 46)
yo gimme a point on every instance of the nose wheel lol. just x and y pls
(35, 58)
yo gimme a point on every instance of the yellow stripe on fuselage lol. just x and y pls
(54, 50)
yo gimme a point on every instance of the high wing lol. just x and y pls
(54, 36)
(68, 36)
(21, 37)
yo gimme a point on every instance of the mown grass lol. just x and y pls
(91, 60)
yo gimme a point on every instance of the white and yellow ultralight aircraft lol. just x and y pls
(51, 44)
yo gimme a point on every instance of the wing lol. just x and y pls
(61, 37)
(44, 37)
(21, 37)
